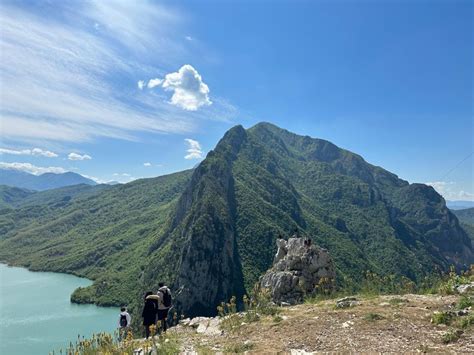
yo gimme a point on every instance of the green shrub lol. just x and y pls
(441, 318)
(466, 322)
(451, 336)
(277, 319)
(465, 302)
(228, 312)
(239, 348)
(397, 301)
(373, 317)
(448, 286)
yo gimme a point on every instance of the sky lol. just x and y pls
(119, 90)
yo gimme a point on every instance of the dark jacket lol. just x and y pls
(149, 312)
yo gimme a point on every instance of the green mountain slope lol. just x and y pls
(10, 196)
(210, 233)
(103, 235)
(466, 215)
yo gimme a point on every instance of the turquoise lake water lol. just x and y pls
(36, 316)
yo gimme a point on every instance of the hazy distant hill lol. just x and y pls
(210, 232)
(466, 217)
(41, 182)
(459, 205)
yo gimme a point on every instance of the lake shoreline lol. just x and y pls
(52, 321)
(71, 298)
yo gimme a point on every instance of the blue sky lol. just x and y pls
(118, 90)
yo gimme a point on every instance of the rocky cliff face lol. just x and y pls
(209, 267)
(300, 269)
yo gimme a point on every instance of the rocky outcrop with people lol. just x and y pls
(300, 269)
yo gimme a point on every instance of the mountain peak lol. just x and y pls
(210, 233)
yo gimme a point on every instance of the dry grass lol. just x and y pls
(379, 324)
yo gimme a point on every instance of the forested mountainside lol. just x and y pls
(9, 195)
(101, 232)
(210, 233)
(15, 197)
(46, 181)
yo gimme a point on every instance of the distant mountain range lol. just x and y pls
(41, 182)
(210, 232)
(459, 205)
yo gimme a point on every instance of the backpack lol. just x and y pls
(123, 320)
(166, 298)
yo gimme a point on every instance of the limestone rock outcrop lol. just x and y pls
(299, 269)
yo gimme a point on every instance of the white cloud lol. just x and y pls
(123, 177)
(448, 190)
(189, 91)
(194, 149)
(188, 38)
(440, 186)
(93, 178)
(65, 73)
(146, 164)
(141, 84)
(154, 82)
(44, 153)
(464, 195)
(75, 156)
(32, 169)
(58, 71)
(15, 152)
(34, 151)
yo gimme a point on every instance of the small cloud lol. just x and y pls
(123, 177)
(95, 179)
(44, 153)
(188, 38)
(464, 195)
(448, 190)
(32, 169)
(189, 91)
(194, 151)
(34, 151)
(75, 156)
(146, 164)
(154, 82)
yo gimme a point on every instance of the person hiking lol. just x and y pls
(163, 296)
(149, 313)
(125, 320)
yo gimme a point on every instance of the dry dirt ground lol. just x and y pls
(388, 324)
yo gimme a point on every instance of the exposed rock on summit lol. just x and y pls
(298, 270)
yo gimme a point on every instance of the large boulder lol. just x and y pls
(299, 269)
